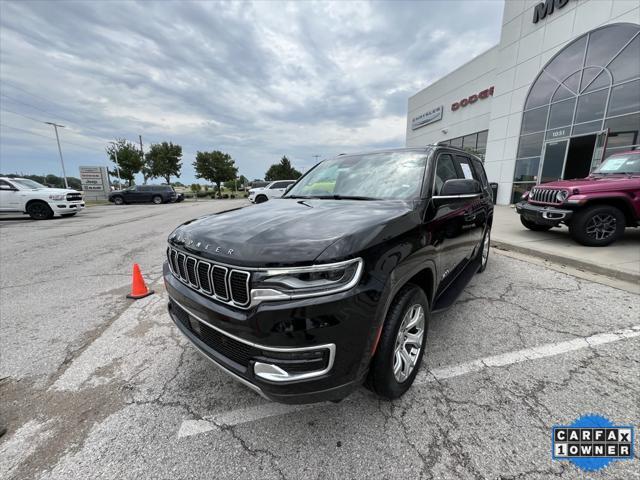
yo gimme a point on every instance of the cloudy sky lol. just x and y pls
(256, 80)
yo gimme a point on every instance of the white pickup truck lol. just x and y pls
(39, 202)
(273, 190)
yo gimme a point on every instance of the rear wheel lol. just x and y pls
(118, 200)
(536, 227)
(597, 226)
(39, 210)
(484, 251)
(261, 199)
(157, 199)
(401, 346)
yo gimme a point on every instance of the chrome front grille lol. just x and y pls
(544, 195)
(214, 281)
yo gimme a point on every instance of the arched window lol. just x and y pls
(591, 85)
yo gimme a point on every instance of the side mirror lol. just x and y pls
(460, 186)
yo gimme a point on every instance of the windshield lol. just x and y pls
(386, 175)
(620, 164)
(24, 182)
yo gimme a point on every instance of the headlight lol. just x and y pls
(301, 282)
(58, 197)
(525, 195)
(561, 196)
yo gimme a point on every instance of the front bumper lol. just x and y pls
(339, 328)
(543, 215)
(63, 207)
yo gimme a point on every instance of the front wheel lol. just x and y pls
(118, 200)
(261, 199)
(157, 199)
(597, 226)
(533, 226)
(39, 211)
(402, 342)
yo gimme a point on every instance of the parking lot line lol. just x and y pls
(262, 411)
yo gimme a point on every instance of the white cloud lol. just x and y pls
(256, 80)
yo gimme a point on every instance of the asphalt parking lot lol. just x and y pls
(97, 386)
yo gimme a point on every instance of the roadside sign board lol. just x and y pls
(95, 182)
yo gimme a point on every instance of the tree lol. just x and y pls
(129, 159)
(216, 166)
(282, 171)
(195, 188)
(163, 160)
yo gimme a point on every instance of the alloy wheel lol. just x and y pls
(601, 227)
(485, 248)
(408, 343)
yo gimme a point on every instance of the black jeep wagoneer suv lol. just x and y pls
(306, 297)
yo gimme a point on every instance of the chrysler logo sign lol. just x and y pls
(427, 118)
(472, 99)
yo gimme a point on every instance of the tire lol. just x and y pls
(157, 199)
(484, 251)
(39, 210)
(535, 227)
(382, 378)
(261, 199)
(118, 200)
(68, 214)
(597, 226)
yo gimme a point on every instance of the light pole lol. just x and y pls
(115, 154)
(64, 174)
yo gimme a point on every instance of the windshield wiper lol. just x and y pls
(344, 197)
(298, 196)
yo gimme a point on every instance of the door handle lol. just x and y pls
(470, 217)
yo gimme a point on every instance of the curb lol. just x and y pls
(571, 262)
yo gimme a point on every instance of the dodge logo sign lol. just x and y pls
(472, 99)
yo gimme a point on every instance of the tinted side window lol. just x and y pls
(480, 173)
(445, 170)
(4, 182)
(145, 188)
(465, 166)
(280, 185)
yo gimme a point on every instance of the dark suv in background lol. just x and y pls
(144, 194)
(308, 296)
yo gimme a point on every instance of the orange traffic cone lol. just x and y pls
(138, 287)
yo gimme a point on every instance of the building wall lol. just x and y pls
(471, 78)
(525, 47)
(511, 67)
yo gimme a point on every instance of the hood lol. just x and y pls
(596, 183)
(293, 232)
(52, 191)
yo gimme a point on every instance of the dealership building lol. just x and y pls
(556, 96)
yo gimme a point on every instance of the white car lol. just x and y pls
(39, 202)
(273, 190)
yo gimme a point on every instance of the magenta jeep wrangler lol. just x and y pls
(596, 209)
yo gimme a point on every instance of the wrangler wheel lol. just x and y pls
(597, 226)
(397, 359)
